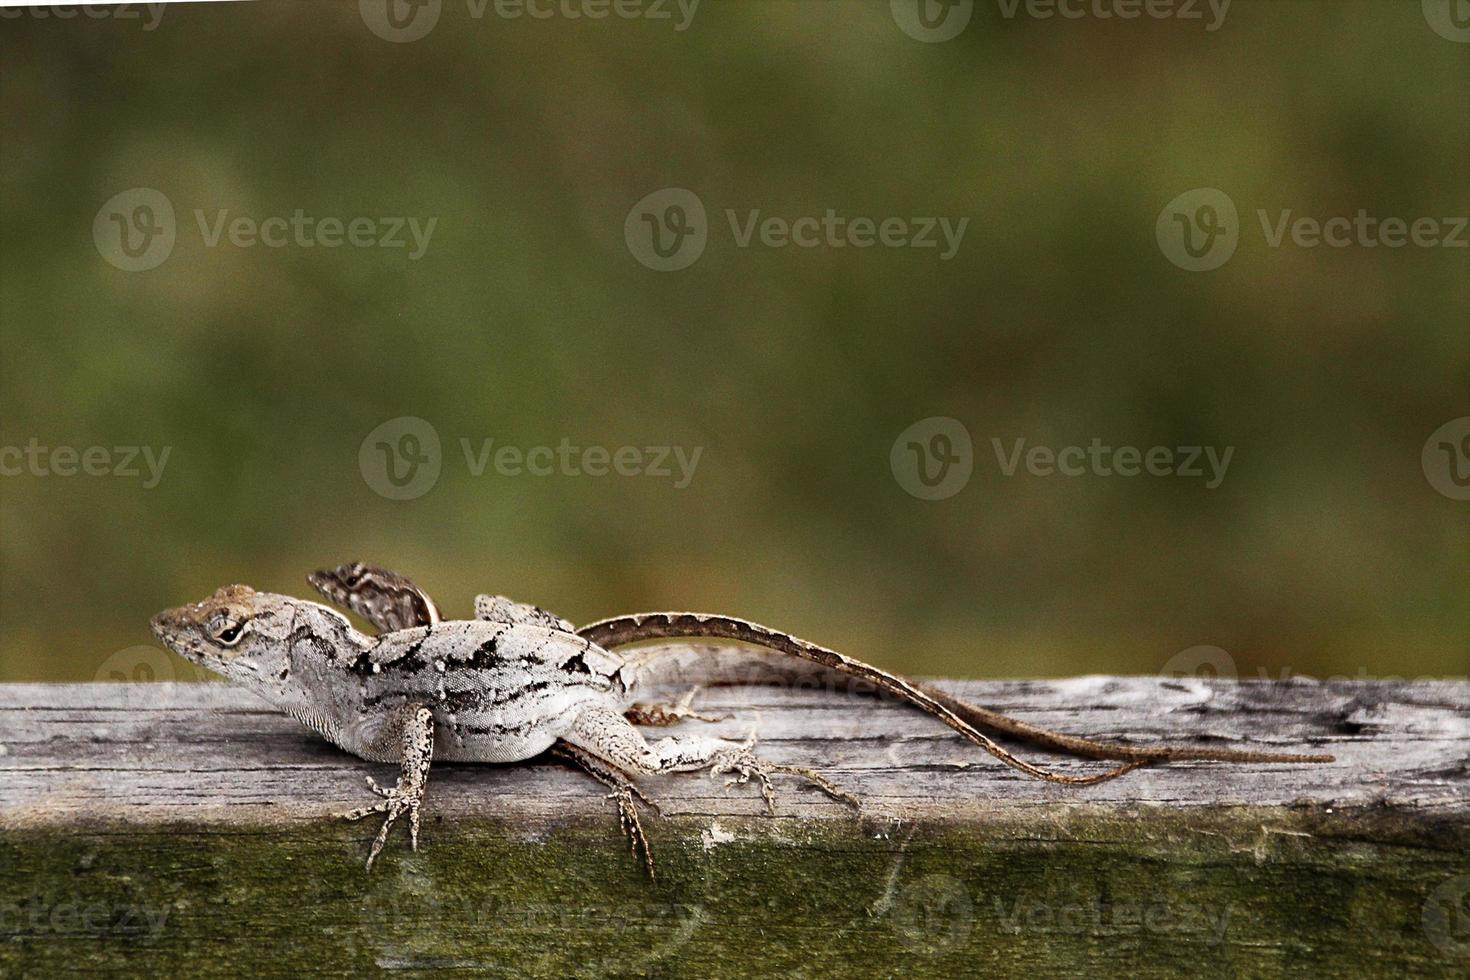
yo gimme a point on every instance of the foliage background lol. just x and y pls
(1325, 551)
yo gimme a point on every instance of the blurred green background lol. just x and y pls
(529, 320)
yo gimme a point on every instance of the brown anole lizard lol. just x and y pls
(517, 681)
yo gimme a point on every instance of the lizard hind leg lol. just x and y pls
(608, 735)
(624, 793)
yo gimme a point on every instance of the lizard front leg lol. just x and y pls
(411, 727)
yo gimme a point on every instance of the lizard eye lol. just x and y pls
(228, 632)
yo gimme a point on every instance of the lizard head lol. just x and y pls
(247, 636)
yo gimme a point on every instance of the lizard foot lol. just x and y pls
(660, 714)
(396, 801)
(744, 764)
(625, 793)
(628, 796)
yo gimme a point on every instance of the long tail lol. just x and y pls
(678, 665)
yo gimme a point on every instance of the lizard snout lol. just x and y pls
(160, 623)
(166, 625)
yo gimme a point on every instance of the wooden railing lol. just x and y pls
(188, 829)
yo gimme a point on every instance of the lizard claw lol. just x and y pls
(744, 764)
(396, 802)
(363, 811)
(627, 797)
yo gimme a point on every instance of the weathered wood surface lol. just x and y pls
(178, 827)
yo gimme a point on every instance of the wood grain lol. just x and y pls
(201, 801)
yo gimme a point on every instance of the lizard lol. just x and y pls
(518, 681)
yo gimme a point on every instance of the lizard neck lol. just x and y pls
(306, 677)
